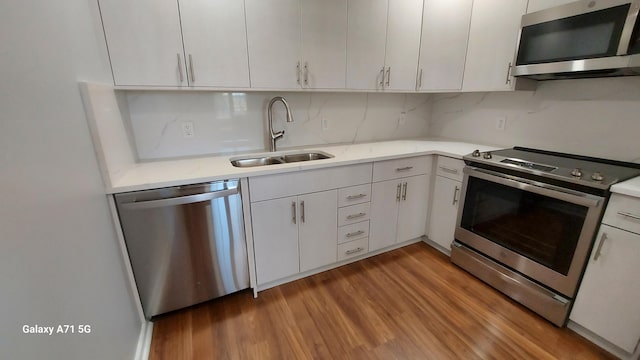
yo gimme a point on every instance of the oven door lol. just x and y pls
(542, 231)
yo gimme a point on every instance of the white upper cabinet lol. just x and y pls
(403, 44)
(367, 37)
(443, 47)
(215, 42)
(324, 43)
(297, 43)
(273, 37)
(383, 44)
(492, 43)
(144, 41)
(537, 5)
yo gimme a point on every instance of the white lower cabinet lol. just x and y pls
(607, 302)
(398, 210)
(294, 234)
(444, 211)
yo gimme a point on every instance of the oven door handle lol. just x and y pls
(574, 197)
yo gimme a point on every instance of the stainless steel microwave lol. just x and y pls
(588, 38)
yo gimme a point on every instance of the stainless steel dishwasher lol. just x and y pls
(186, 244)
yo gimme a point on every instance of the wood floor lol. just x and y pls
(411, 303)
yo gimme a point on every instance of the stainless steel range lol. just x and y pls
(528, 222)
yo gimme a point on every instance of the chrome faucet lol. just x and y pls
(277, 135)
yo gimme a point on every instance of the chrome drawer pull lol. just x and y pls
(180, 68)
(302, 211)
(626, 214)
(353, 197)
(455, 195)
(446, 169)
(404, 168)
(293, 207)
(355, 233)
(356, 250)
(355, 216)
(398, 190)
(602, 240)
(404, 191)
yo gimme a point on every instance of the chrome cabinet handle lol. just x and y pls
(449, 170)
(404, 191)
(382, 77)
(398, 189)
(193, 76)
(306, 73)
(508, 74)
(404, 168)
(355, 216)
(353, 197)
(388, 75)
(180, 67)
(293, 206)
(302, 211)
(420, 79)
(455, 195)
(630, 215)
(356, 250)
(355, 233)
(599, 249)
(298, 72)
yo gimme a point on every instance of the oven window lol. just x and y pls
(543, 229)
(591, 35)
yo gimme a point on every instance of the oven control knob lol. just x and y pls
(487, 155)
(577, 172)
(476, 153)
(597, 176)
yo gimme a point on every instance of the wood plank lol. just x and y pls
(407, 303)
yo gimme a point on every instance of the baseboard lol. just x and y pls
(144, 341)
(602, 343)
(437, 246)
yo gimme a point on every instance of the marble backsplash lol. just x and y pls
(595, 117)
(236, 122)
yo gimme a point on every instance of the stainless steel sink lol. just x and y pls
(280, 158)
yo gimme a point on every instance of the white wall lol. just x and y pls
(59, 259)
(226, 122)
(596, 117)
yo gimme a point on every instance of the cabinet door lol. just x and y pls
(443, 46)
(215, 42)
(366, 43)
(145, 43)
(324, 43)
(414, 205)
(275, 238)
(607, 302)
(444, 211)
(318, 230)
(403, 44)
(273, 37)
(492, 44)
(385, 197)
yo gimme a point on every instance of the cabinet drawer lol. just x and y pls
(354, 195)
(399, 168)
(353, 232)
(302, 182)
(353, 214)
(623, 212)
(353, 248)
(450, 168)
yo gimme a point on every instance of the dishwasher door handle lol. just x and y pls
(180, 200)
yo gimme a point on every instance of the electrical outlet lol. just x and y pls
(188, 130)
(501, 123)
(325, 124)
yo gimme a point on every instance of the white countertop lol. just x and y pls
(630, 187)
(149, 175)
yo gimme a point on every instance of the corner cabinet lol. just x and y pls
(399, 201)
(297, 44)
(446, 200)
(146, 48)
(606, 303)
(493, 35)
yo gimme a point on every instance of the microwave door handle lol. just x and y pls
(180, 200)
(535, 187)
